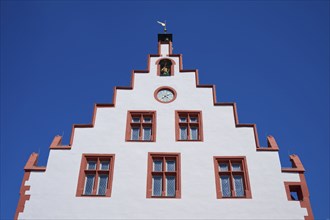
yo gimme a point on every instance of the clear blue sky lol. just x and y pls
(58, 58)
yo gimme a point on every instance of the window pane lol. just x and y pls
(193, 119)
(193, 133)
(223, 166)
(183, 119)
(104, 165)
(91, 165)
(135, 133)
(158, 165)
(236, 167)
(225, 186)
(89, 183)
(103, 183)
(183, 133)
(156, 185)
(170, 186)
(147, 119)
(147, 133)
(136, 119)
(170, 165)
(239, 188)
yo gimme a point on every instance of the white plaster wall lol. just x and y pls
(53, 192)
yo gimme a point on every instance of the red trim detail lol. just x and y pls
(297, 167)
(200, 125)
(82, 174)
(272, 146)
(172, 66)
(56, 144)
(129, 127)
(242, 161)
(170, 47)
(163, 155)
(30, 166)
(168, 88)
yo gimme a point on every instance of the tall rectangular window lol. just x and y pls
(163, 175)
(95, 177)
(188, 126)
(231, 177)
(141, 126)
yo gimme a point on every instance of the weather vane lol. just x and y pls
(163, 24)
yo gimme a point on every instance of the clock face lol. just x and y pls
(165, 95)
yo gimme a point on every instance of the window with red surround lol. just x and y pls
(95, 177)
(164, 178)
(231, 177)
(141, 126)
(294, 191)
(188, 126)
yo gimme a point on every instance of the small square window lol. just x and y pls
(236, 167)
(104, 165)
(183, 119)
(223, 166)
(295, 191)
(147, 119)
(91, 165)
(136, 119)
(193, 119)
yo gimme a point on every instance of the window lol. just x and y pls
(294, 191)
(95, 178)
(231, 177)
(189, 126)
(141, 126)
(163, 175)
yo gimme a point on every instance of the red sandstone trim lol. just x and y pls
(200, 125)
(153, 115)
(81, 179)
(56, 144)
(30, 166)
(272, 146)
(172, 66)
(240, 159)
(163, 155)
(170, 47)
(297, 167)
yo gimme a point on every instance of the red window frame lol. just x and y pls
(294, 187)
(243, 172)
(177, 173)
(188, 114)
(141, 125)
(84, 171)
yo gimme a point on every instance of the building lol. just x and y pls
(165, 149)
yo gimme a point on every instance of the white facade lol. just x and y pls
(53, 192)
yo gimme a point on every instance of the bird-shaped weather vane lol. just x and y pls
(163, 24)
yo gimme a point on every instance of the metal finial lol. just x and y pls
(163, 24)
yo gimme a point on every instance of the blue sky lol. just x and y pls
(58, 58)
